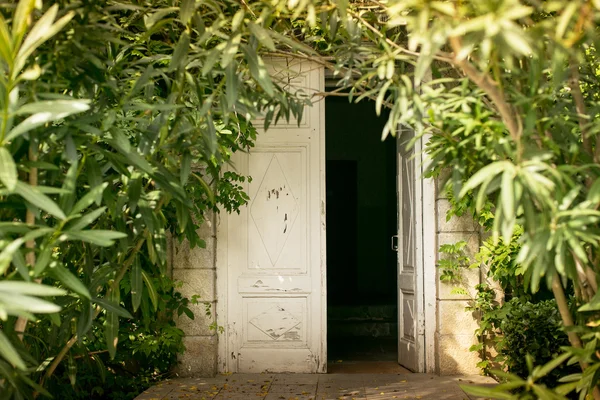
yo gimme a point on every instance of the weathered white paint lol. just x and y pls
(271, 257)
(410, 316)
(429, 247)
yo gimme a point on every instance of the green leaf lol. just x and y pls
(141, 81)
(9, 353)
(43, 260)
(540, 372)
(186, 10)
(485, 174)
(53, 111)
(258, 70)
(181, 51)
(112, 327)
(67, 197)
(87, 219)
(151, 290)
(6, 47)
(151, 20)
(8, 170)
(7, 253)
(43, 30)
(230, 50)
(262, 35)
(38, 199)
(231, 89)
(186, 167)
(112, 306)
(98, 237)
(30, 288)
(19, 302)
(67, 278)
(485, 392)
(20, 19)
(94, 195)
(137, 285)
(518, 41)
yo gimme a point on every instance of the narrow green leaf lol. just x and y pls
(540, 372)
(112, 327)
(98, 237)
(6, 47)
(485, 392)
(180, 52)
(232, 83)
(43, 30)
(92, 196)
(9, 353)
(151, 20)
(26, 303)
(8, 170)
(137, 285)
(43, 260)
(87, 219)
(66, 277)
(67, 197)
(49, 115)
(186, 10)
(38, 199)
(518, 41)
(7, 253)
(20, 18)
(230, 50)
(141, 81)
(262, 35)
(507, 193)
(30, 288)
(486, 173)
(112, 306)
(259, 71)
(151, 290)
(186, 168)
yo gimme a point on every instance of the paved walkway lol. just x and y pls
(315, 387)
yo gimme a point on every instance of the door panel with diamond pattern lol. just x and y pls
(274, 248)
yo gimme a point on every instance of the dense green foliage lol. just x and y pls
(116, 124)
(116, 121)
(533, 329)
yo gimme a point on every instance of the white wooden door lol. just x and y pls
(410, 336)
(275, 247)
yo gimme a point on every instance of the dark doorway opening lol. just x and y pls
(362, 315)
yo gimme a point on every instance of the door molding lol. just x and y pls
(227, 359)
(428, 258)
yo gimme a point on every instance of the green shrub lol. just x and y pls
(534, 329)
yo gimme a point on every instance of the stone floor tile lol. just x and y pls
(238, 396)
(296, 378)
(298, 389)
(282, 396)
(246, 386)
(329, 396)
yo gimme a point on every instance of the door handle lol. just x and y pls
(395, 243)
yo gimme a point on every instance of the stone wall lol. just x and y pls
(195, 270)
(455, 326)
